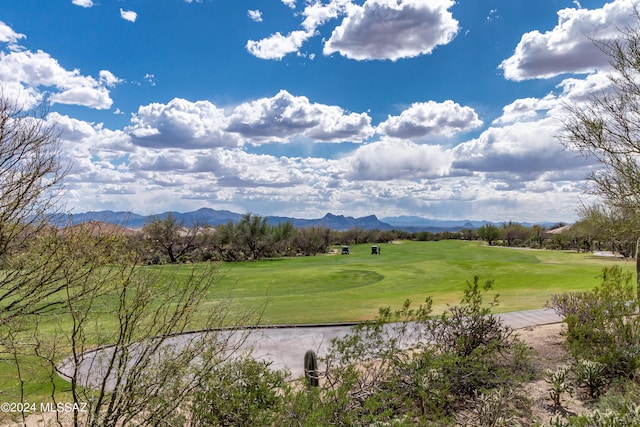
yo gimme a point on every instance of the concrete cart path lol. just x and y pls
(284, 346)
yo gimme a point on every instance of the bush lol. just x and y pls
(476, 350)
(501, 407)
(559, 383)
(629, 416)
(592, 376)
(602, 325)
(408, 364)
(242, 392)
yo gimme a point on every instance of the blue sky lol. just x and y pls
(432, 108)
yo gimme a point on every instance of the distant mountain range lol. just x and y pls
(214, 217)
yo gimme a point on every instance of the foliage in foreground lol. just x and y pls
(603, 337)
(103, 298)
(404, 368)
(463, 367)
(602, 325)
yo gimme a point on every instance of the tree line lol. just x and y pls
(169, 240)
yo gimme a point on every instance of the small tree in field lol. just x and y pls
(489, 232)
(106, 299)
(170, 236)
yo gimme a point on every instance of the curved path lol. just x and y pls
(284, 346)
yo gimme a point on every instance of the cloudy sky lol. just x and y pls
(433, 108)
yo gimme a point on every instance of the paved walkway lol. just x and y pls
(284, 347)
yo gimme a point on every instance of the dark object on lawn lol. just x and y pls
(311, 368)
(345, 250)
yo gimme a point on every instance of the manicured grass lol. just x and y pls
(337, 288)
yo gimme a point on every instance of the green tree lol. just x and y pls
(312, 240)
(254, 234)
(226, 242)
(282, 236)
(170, 236)
(537, 236)
(252, 238)
(607, 129)
(614, 228)
(488, 232)
(515, 234)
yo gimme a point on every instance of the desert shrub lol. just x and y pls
(409, 364)
(601, 324)
(500, 407)
(470, 329)
(369, 377)
(629, 416)
(475, 349)
(241, 392)
(559, 383)
(591, 376)
(620, 394)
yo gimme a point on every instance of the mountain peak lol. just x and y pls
(213, 217)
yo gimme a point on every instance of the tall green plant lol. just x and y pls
(602, 325)
(243, 392)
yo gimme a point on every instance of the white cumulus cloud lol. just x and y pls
(526, 109)
(284, 116)
(393, 29)
(277, 46)
(128, 15)
(7, 35)
(397, 159)
(523, 150)
(83, 3)
(317, 13)
(24, 96)
(431, 118)
(580, 90)
(181, 123)
(568, 47)
(255, 15)
(290, 3)
(37, 69)
(108, 79)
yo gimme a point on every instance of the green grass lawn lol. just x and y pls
(337, 288)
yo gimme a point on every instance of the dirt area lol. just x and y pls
(546, 342)
(43, 420)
